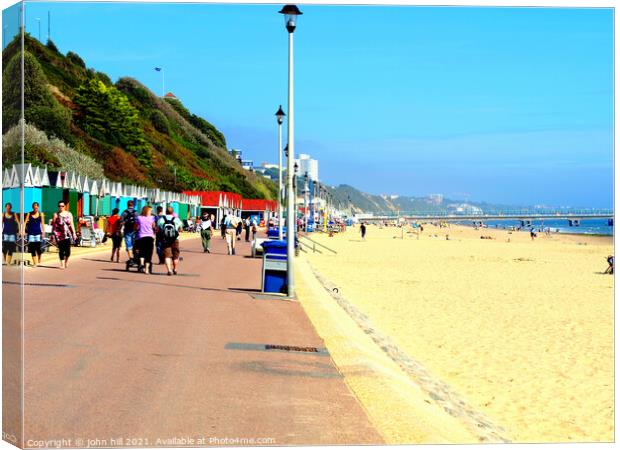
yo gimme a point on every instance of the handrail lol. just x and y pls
(316, 243)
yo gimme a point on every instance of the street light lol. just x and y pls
(39, 22)
(280, 116)
(291, 13)
(306, 192)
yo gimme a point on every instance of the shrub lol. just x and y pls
(76, 59)
(41, 108)
(55, 120)
(159, 121)
(41, 150)
(138, 91)
(50, 44)
(104, 78)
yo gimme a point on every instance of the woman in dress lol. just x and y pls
(64, 233)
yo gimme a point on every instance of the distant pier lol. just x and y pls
(574, 216)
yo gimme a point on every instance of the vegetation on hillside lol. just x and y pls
(123, 128)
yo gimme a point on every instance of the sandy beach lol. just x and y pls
(521, 330)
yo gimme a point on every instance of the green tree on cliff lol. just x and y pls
(41, 108)
(106, 114)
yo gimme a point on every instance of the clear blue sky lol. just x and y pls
(498, 104)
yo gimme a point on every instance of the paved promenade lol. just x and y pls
(133, 359)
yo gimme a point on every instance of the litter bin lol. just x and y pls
(275, 266)
(274, 232)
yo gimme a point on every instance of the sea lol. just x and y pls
(586, 226)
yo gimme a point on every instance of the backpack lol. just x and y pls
(130, 220)
(169, 232)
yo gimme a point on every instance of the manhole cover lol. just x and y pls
(277, 348)
(291, 348)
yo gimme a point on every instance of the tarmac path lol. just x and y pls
(116, 358)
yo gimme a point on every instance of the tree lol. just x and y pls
(41, 108)
(106, 114)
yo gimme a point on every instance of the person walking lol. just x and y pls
(128, 221)
(158, 243)
(113, 231)
(254, 229)
(35, 231)
(239, 228)
(64, 233)
(170, 227)
(145, 239)
(10, 229)
(363, 231)
(246, 224)
(231, 226)
(223, 226)
(206, 229)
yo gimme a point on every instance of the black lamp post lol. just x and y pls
(280, 117)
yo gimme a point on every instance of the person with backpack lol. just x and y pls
(169, 228)
(113, 231)
(231, 227)
(35, 231)
(10, 228)
(206, 229)
(128, 222)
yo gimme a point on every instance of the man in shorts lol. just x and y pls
(128, 221)
(169, 228)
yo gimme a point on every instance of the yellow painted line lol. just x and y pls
(396, 406)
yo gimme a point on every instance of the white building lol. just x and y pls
(435, 199)
(309, 165)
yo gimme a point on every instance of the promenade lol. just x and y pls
(116, 358)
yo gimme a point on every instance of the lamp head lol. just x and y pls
(290, 16)
(280, 115)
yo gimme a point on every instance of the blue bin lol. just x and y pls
(274, 233)
(275, 247)
(274, 253)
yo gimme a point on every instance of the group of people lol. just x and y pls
(144, 233)
(33, 230)
(231, 228)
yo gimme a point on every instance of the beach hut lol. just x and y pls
(258, 208)
(32, 192)
(11, 190)
(104, 202)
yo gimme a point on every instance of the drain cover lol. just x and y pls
(291, 348)
(277, 348)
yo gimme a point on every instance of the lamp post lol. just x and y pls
(306, 192)
(291, 13)
(280, 116)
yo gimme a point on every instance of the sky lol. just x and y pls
(505, 105)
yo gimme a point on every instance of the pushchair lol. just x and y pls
(134, 263)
